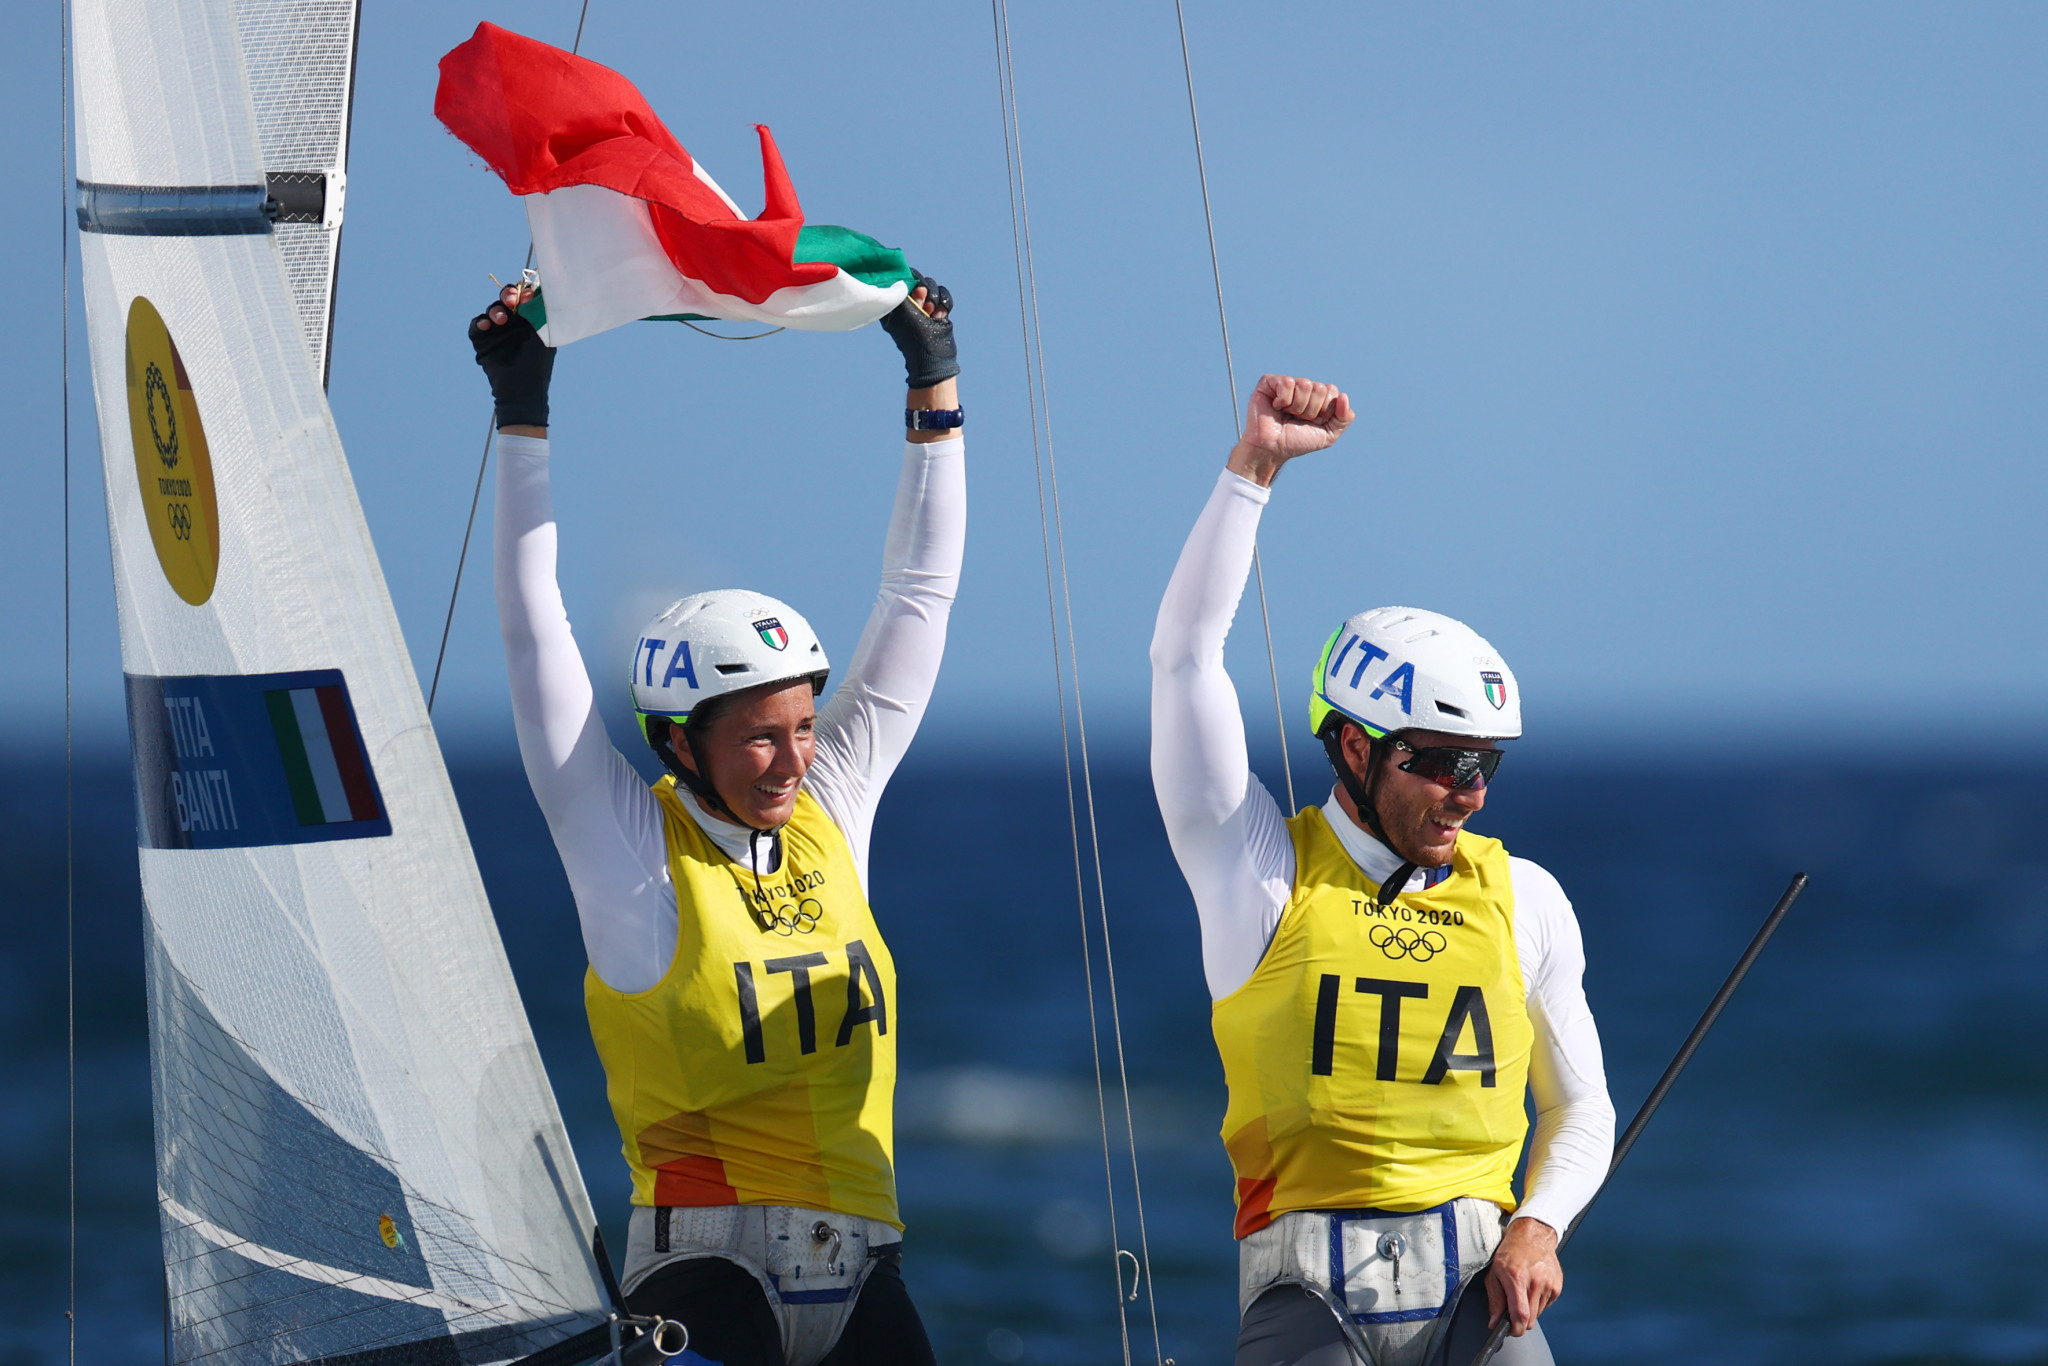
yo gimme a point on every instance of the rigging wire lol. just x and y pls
(1236, 410)
(483, 463)
(70, 809)
(1052, 534)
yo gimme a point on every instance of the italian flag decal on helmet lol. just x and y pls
(772, 634)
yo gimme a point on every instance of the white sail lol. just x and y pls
(359, 1156)
(300, 59)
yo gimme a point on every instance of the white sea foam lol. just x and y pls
(991, 1105)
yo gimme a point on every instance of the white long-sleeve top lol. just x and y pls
(606, 824)
(1233, 847)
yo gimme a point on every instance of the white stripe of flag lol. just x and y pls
(320, 754)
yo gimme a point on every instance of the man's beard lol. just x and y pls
(1410, 838)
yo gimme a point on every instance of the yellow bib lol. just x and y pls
(761, 1069)
(1378, 1055)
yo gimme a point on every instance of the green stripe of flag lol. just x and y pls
(856, 253)
(298, 771)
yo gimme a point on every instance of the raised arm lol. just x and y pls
(1226, 831)
(605, 823)
(865, 729)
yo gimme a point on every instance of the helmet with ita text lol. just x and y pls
(1401, 668)
(711, 644)
(1395, 669)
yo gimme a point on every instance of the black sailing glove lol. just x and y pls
(518, 364)
(926, 343)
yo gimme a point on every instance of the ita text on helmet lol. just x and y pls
(1401, 668)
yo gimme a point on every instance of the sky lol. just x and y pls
(1698, 350)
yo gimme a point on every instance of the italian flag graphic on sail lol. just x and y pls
(323, 757)
(627, 225)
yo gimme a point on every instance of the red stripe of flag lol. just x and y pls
(348, 755)
(543, 119)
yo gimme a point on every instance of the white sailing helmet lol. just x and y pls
(1401, 668)
(710, 644)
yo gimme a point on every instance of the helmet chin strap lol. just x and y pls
(1361, 794)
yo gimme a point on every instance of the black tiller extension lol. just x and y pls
(1664, 1084)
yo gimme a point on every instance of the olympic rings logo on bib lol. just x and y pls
(801, 919)
(1404, 942)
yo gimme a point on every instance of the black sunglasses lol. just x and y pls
(1453, 767)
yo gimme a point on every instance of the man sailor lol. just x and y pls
(740, 994)
(1386, 981)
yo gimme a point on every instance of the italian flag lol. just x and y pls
(323, 756)
(627, 225)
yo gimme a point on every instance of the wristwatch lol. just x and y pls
(933, 419)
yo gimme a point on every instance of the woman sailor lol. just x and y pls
(740, 993)
(1385, 981)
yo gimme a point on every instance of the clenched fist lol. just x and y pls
(1287, 416)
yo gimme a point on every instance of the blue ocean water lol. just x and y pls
(1854, 1170)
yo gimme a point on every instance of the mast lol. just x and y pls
(300, 56)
